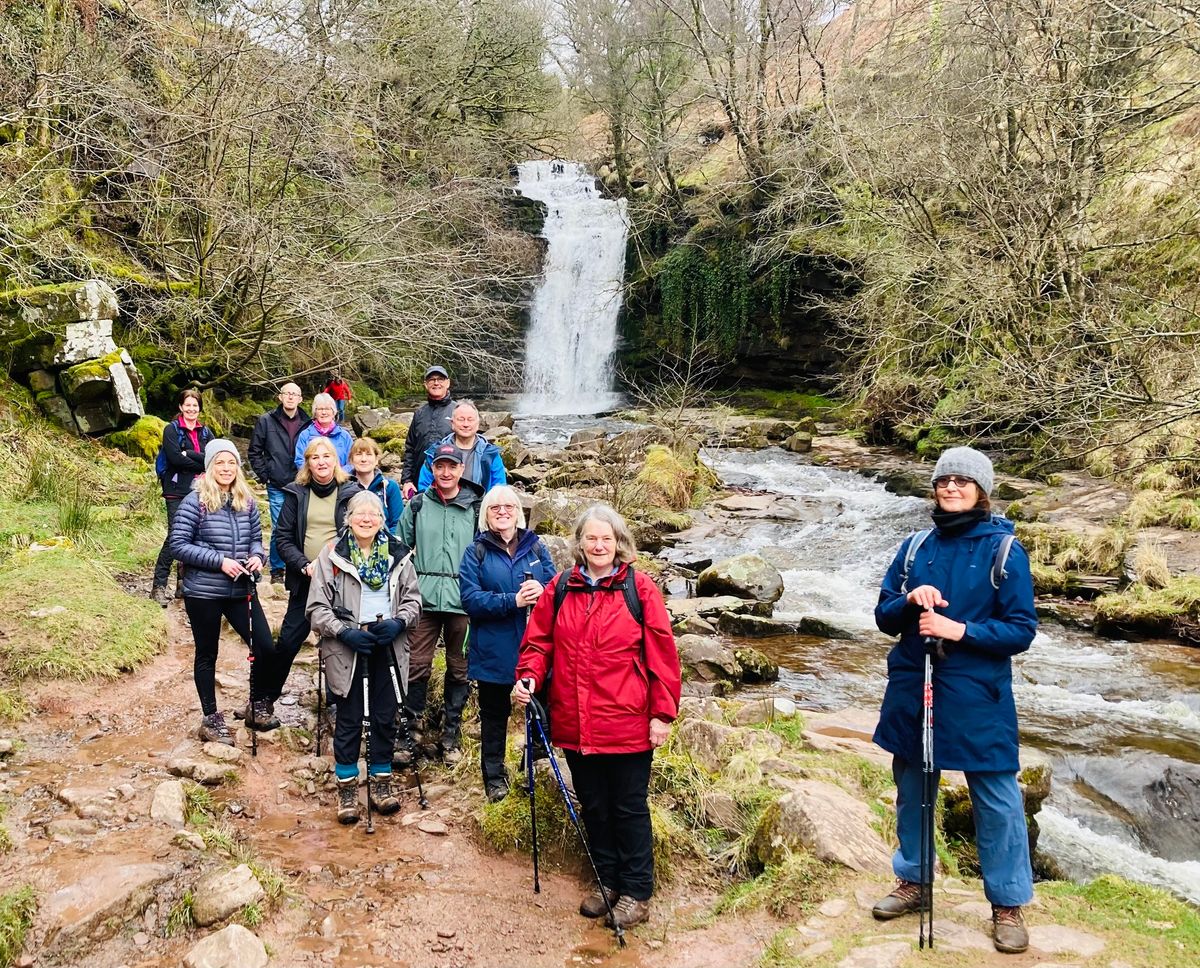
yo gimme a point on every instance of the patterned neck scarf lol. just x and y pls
(372, 565)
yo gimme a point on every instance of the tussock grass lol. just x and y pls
(199, 807)
(179, 918)
(12, 706)
(1150, 566)
(1178, 600)
(17, 908)
(797, 884)
(87, 626)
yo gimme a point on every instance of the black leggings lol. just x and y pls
(162, 567)
(205, 614)
(347, 730)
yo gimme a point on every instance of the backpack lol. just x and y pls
(628, 589)
(999, 573)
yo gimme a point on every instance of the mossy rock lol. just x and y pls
(91, 380)
(142, 439)
(391, 430)
(756, 667)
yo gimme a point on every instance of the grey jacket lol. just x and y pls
(336, 591)
(202, 540)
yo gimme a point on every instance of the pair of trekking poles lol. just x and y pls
(535, 720)
(362, 662)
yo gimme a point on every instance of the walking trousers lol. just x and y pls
(205, 614)
(347, 729)
(1000, 832)
(292, 633)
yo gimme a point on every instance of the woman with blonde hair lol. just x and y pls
(313, 514)
(502, 575)
(602, 644)
(217, 534)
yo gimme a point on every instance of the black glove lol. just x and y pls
(361, 642)
(385, 631)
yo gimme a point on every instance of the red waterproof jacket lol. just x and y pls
(338, 389)
(609, 680)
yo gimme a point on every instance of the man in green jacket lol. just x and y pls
(439, 524)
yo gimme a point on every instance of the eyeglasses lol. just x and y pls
(366, 516)
(504, 507)
(959, 482)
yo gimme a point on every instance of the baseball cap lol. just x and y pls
(447, 452)
(436, 370)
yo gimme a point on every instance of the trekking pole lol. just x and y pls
(402, 704)
(537, 884)
(366, 684)
(250, 660)
(928, 793)
(320, 695)
(535, 715)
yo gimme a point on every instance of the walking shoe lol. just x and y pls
(628, 911)
(379, 789)
(904, 899)
(179, 588)
(451, 755)
(1009, 934)
(213, 730)
(261, 715)
(278, 575)
(160, 596)
(496, 791)
(593, 906)
(347, 791)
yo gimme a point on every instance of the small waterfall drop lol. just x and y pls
(572, 334)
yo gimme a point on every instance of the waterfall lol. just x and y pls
(572, 334)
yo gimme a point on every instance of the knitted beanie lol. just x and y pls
(965, 462)
(218, 446)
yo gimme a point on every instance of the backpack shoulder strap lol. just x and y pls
(999, 572)
(480, 551)
(910, 555)
(632, 602)
(560, 593)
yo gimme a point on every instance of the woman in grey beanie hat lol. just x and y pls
(946, 591)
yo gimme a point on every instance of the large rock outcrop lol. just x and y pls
(61, 343)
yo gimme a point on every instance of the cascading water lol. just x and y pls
(573, 326)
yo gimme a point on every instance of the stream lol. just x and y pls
(1119, 722)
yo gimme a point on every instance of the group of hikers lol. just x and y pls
(382, 571)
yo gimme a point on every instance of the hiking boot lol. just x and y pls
(904, 899)
(160, 596)
(278, 575)
(451, 755)
(179, 588)
(593, 906)
(628, 911)
(379, 789)
(213, 730)
(1009, 934)
(347, 791)
(261, 715)
(496, 791)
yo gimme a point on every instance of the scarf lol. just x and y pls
(372, 565)
(954, 522)
(325, 430)
(323, 490)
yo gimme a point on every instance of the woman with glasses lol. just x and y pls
(960, 592)
(502, 575)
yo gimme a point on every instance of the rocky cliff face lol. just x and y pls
(60, 343)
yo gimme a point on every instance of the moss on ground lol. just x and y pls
(143, 439)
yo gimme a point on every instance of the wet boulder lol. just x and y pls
(744, 576)
(756, 667)
(99, 904)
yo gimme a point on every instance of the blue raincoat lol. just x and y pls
(974, 717)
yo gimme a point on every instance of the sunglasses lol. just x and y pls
(958, 481)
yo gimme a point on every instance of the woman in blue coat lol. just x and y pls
(497, 596)
(952, 592)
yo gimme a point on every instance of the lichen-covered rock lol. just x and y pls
(90, 380)
(141, 439)
(745, 576)
(394, 429)
(824, 820)
(57, 410)
(799, 443)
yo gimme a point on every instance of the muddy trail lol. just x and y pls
(425, 890)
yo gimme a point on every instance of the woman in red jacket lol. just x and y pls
(614, 691)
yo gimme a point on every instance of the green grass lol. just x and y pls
(199, 807)
(17, 908)
(179, 918)
(1155, 608)
(12, 706)
(92, 629)
(252, 915)
(798, 883)
(1143, 925)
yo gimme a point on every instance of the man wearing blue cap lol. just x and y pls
(430, 424)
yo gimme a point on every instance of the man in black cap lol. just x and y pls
(439, 525)
(429, 424)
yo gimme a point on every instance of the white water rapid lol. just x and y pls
(573, 320)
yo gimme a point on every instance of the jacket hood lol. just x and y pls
(994, 524)
(576, 575)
